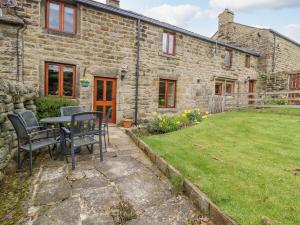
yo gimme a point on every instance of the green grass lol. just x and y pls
(243, 161)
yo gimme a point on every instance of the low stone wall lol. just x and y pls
(200, 200)
(14, 97)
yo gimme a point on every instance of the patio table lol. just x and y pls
(60, 121)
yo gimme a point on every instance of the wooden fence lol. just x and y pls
(279, 99)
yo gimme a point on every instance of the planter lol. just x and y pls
(127, 123)
(85, 83)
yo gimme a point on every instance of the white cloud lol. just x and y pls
(248, 5)
(293, 31)
(179, 15)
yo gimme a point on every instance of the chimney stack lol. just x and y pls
(226, 17)
(114, 3)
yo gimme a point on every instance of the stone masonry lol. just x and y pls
(105, 42)
(279, 55)
(126, 188)
(14, 97)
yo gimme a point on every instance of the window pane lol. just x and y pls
(171, 44)
(100, 90)
(109, 90)
(107, 108)
(53, 16)
(218, 89)
(162, 91)
(68, 81)
(229, 89)
(53, 75)
(227, 58)
(165, 39)
(69, 19)
(171, 93)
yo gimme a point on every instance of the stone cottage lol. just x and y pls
(135, 64)
(279, 61)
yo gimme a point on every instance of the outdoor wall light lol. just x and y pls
(248, 78)
(123, 71)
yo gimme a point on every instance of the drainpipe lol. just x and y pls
(137, 72)
(18, 54)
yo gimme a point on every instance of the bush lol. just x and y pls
(49, 106)
(194, 116)
(163, 124)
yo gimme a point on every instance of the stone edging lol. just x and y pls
(200, 200)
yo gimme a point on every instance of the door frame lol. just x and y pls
(114, 96)
(251, 95)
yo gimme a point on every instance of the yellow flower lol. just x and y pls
(206, 113)
(204, 117)
(178, 122)
(197, 122)
(154, 114)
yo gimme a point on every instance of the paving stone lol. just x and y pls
(143, 190)
(66, 212)
(100, 199)
(115, 168)
(52, 174)
(98, 220)
(174, 211)
(79, 186)
(52, 192)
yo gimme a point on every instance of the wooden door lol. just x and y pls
(294, 85)
(105, 96)
(251, 92)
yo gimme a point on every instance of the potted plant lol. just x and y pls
(84, 82)
(127, 122)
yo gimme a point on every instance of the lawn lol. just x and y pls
(246, 162)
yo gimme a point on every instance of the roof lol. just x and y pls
(284, 37)
(137, 16)
(11, 20)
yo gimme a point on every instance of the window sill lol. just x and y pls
(167, 55)
(167, 110)
(61, 33)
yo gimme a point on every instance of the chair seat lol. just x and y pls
(39, 144)
(82, 141)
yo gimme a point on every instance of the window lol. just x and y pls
(247, 61)
(229, 88)
(168, 43)
(228, 58)
(167, 93)
(219, 89)
(61, 17)
(60, 80)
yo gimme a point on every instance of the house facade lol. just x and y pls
(135, 64)
(279, 61)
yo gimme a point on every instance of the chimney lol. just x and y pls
(226, 17)
(114, 3)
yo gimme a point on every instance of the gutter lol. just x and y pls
(137, 72)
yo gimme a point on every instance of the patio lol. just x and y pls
(95, 193)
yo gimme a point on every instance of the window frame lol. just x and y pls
(231, 88)
(166, 81)
(247, 61)
(230, 51)
(61, 16)
(219, 84)
(60, 80)
(168, 42)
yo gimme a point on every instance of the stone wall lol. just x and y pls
(14, 97)
(106, 42)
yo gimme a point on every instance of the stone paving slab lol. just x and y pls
(126, 188)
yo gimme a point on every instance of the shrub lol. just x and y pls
(49, 106)
(163, 124)
(194, 116)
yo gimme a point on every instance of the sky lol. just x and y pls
(201, 16)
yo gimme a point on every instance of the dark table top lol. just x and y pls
(56, 120)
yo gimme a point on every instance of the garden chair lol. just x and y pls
(30, 121)
(70, 110)
(85, 129)
(26, 141)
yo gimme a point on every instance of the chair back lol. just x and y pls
(19, 126)
(70, 110)
(107, 116)
(29, 119)
(86, 124)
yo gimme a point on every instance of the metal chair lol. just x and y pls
(70, 110)
(30, 121)
(26, 140)
(105, 125)
(85, 127)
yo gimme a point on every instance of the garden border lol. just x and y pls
(199, 199)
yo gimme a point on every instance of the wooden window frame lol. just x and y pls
(231, 88)
(230, 58)
(219, 84)
(166, 81)
(247, 61)
(61, 16)
(60, 80)
(168, 42)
